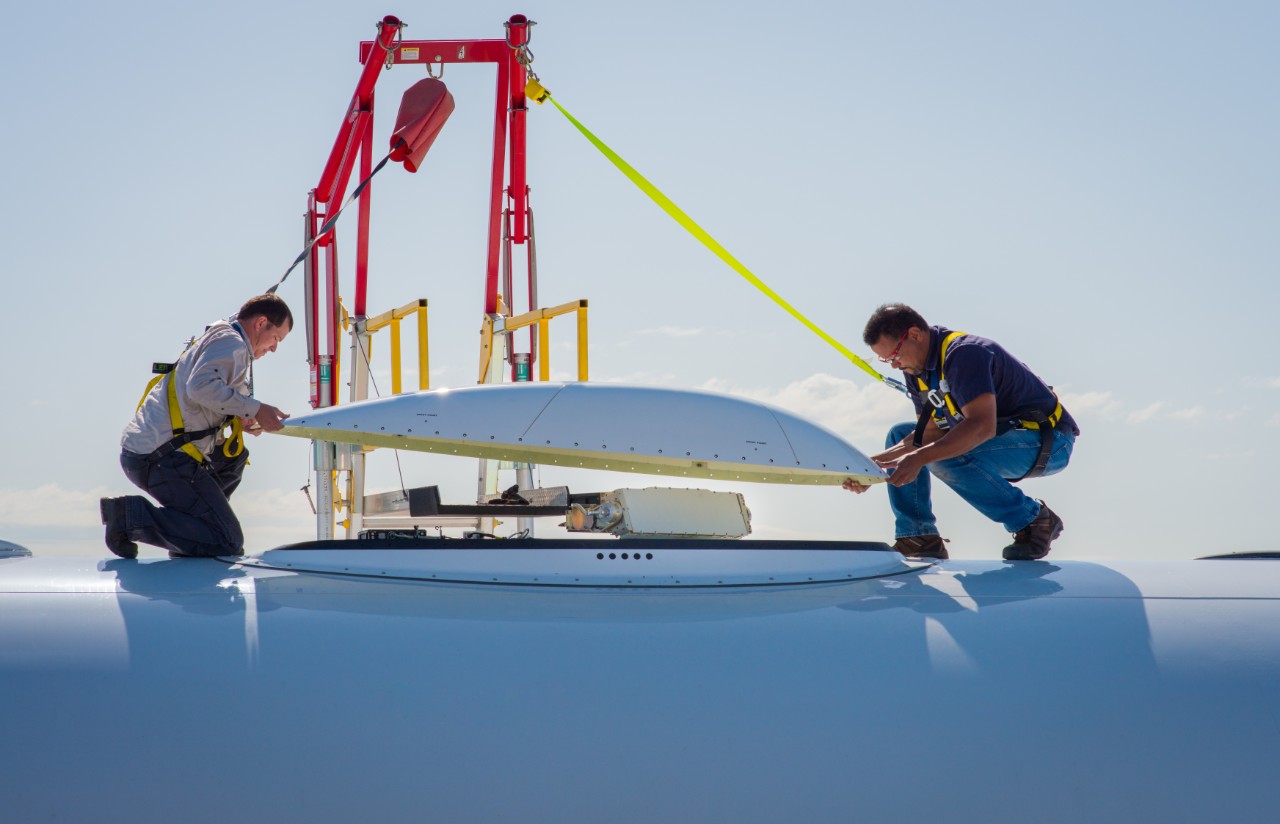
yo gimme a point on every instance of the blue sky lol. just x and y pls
(1092, 184)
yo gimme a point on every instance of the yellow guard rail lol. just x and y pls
(392, 319)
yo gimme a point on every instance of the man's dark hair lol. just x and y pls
(270, 306)
(892, 320)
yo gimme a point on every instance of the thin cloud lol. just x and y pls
(860, 412)
(1146, 413)
(50, 506)
(1274, 383)
(1104, 405)
(1194, 413)
(1091, 403)
(644, 379)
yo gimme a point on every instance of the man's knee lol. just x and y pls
(233, 538)
(898, 432)
(220, 537)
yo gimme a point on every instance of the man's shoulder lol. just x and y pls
(220, 329)
(224, 337)
(966, 350)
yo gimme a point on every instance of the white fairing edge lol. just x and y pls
(642, 429)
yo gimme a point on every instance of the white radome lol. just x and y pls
(671, 432)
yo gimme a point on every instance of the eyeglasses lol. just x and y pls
(894, 354)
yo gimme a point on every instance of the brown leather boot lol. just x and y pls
(1031, 543)
(922, 546)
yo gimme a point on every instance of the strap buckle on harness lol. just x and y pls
(936, 398)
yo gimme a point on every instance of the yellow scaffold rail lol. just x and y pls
(392, 318)
(539, 94)
(542, 318)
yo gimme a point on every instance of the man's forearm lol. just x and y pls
(954, 442)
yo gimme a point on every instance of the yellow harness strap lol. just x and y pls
(176, 422)
(1052, 419)
(232, 446)
(151, 384)
(942, 381)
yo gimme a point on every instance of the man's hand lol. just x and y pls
(250, 427)
(270, 418)
(903, 470)
(853, 486)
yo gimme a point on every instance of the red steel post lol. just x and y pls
(366, 206)
(360, 101)
(517, 35)
(495, 194)
(312, 301)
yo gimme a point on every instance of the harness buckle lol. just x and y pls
(936, 399)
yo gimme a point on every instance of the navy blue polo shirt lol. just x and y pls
(976, 366)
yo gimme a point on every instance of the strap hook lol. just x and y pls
(524, 55)
(391, 50)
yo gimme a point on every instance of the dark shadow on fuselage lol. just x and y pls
(1015, 617)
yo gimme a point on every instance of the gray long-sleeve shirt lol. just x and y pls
(212, 379)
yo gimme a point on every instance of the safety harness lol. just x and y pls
(936, 402)
(183, 440)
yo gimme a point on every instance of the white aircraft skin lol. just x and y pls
(884, 690)
(632, 679)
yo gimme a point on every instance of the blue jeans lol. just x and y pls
(194, 516)
(979, 476)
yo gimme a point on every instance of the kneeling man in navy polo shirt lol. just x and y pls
(985, 422)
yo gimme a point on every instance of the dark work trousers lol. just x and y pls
(194, 516)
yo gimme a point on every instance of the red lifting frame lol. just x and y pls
(355, 136)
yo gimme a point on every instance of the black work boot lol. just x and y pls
(1031, 543)
(922, 546)
(112, 510)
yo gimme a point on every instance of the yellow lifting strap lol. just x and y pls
(539, 94)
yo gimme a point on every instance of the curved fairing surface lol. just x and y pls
(207, 691)
(644, 429)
